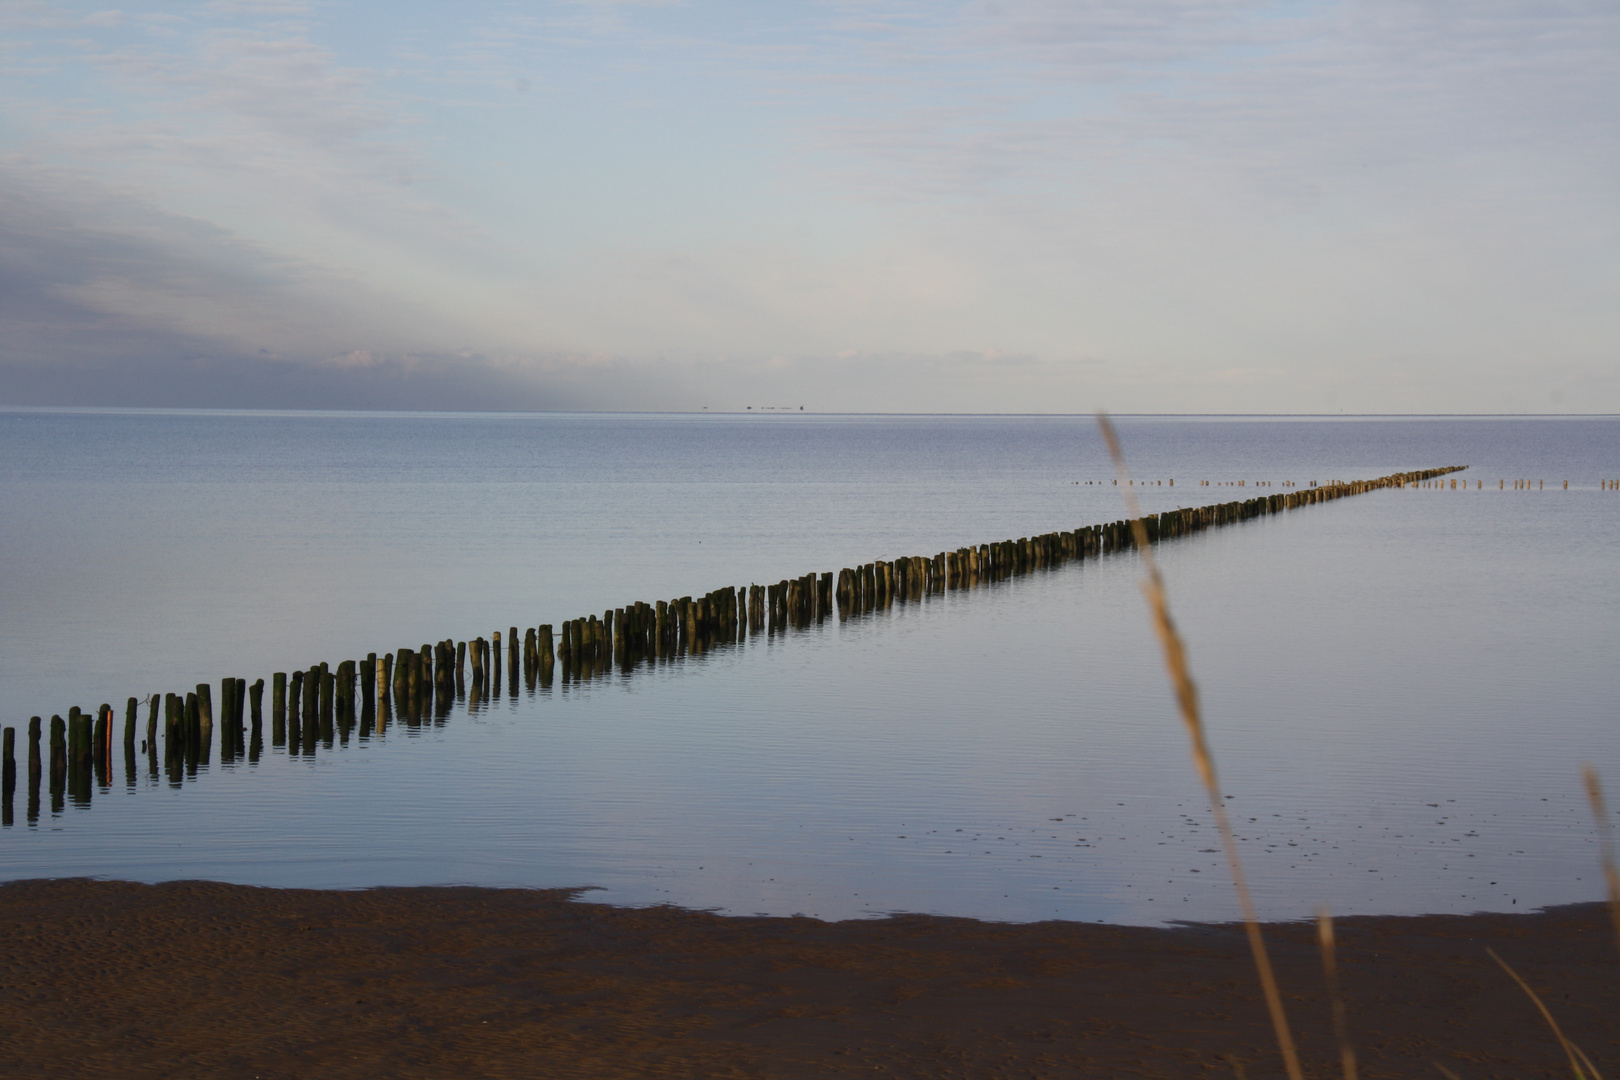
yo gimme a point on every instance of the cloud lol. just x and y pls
(1024, 204)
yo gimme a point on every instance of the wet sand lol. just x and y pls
(195, 979)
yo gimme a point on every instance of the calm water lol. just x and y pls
(1401, 686)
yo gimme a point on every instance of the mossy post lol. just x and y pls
(256, 701)
(205, 719)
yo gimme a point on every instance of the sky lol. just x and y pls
(1010, 206)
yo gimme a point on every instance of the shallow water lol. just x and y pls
(1400, 686)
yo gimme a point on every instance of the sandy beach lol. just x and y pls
(197, 979)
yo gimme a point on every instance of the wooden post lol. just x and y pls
(101, 755)
(278, 703)
(171, 726)
(227, 712)
(59, 762)
(548, 657)
(205, 720)
(8, 773)
(35, 769)
(312, 707)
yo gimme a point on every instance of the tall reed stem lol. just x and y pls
(1175, 661)
(1330, 970)
(1611, 873)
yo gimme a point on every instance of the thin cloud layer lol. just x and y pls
(1162, 206)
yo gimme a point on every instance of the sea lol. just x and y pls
(1400, 688)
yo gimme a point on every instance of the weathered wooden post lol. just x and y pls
(368, 684)
(130, 710)
(205, 721)
(256, 740)
(171, 726)
(79, 743)
(8, 774)
(327, 681)
(59, 763)
(194, 743)
(548, 657)
(227, 712)
(35, 769)
(343, 698)
(314, 689)
(278, 706)
(104, 743)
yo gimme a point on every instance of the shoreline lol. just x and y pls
(113, 978)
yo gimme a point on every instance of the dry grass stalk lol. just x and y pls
(1330, 969)
(1611, 873)
(1577, 1056)
(1175, 660)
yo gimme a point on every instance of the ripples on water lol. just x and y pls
(1400, 686)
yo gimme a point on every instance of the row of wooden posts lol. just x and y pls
(1501, 485)
(316, 706)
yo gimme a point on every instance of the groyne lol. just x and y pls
(323, 706)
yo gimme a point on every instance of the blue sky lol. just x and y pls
(1198, 206)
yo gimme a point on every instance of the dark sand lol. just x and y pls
(203, 980)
